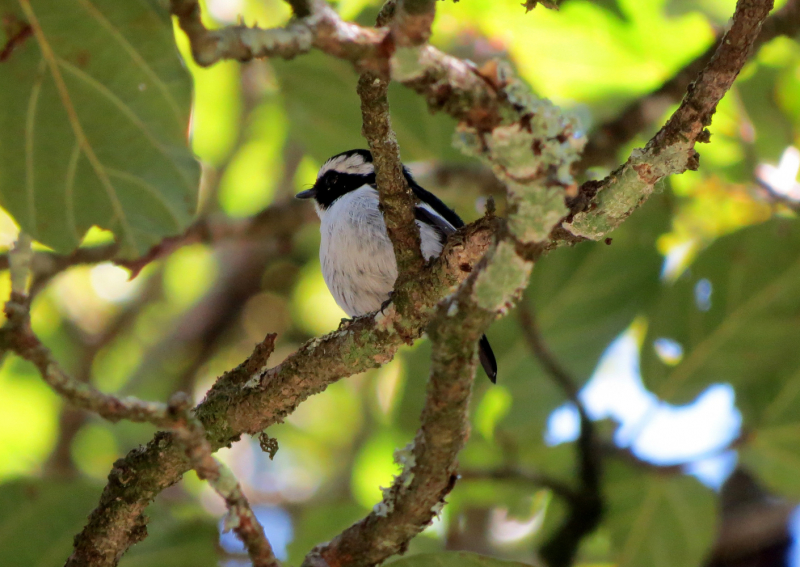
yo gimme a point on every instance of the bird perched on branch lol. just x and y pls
(358, 261)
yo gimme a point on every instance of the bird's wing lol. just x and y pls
(424, 213)
(428, 198)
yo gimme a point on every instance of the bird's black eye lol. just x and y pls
(333, 178)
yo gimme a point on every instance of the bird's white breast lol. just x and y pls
(357, 258)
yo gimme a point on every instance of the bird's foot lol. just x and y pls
(386, 303)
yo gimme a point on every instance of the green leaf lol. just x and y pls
(744, 332)
(658, 520)
(331, 123)
(772, 447)
(39, 519)
(453, 559)
(611, 6)
(96, 134)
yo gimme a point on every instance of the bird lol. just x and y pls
(357, 258)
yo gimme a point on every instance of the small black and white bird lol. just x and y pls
(357, 257)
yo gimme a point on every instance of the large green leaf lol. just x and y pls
(325, 111)
(454, 559)
(39, 519)
(735, 313)
(772, 448)
(93, 127)
(656, 519)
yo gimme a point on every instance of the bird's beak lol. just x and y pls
(307, 194)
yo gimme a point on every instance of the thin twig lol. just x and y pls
(586, 505)
(560, 376)
(59, 463)
(17, 336)
(277, 221)
(515, 474)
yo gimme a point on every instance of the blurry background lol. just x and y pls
(684, 329)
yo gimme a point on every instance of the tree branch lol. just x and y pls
(514, 474)
(17, 336)
(429, 462)
(191, 434)
(528, 144)
(396, 199)
(609, 137)
(671, 150)
(448, 84)
(250, 399)
(412, 22)
(279, 220)
(562, 378)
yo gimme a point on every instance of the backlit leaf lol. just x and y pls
(658, 520)
(734, 313)
(39, 519)
(93, 129)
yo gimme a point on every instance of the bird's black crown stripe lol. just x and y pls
(334, 184)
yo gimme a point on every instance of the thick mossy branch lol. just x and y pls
(429, 463)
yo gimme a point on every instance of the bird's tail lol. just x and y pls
(487, 359)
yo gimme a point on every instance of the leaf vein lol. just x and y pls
(127, 112)
(30, 125)
(150, 189)
(136, 57)
(75, 124)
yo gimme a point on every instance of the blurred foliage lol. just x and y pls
(180, 535)
(710, 264)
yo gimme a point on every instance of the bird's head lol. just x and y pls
(339, 175)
